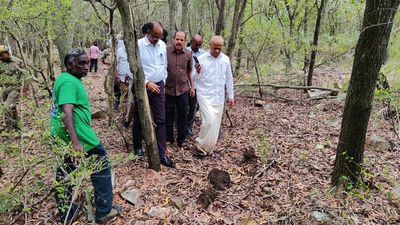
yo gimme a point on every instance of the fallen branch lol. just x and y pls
(287, 87)
(116, 124)
(229, 117)
(257, 175)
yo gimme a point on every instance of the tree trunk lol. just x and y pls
(315, 43)
(221, 17)
(172, 15)
(239, 55)
(370, 50)
(306, 60)
(185, 15)
(240, 6)
(132, 31)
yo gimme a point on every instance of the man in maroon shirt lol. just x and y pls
(178, 87)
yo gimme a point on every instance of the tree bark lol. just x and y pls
(370, 50)
(132, 31)
(315, 43)
(240, 6)
(185, 15)
(221, 17)
(172, 15)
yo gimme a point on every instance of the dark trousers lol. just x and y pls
(157, 107)
(181, 104)
(101, 182)
(117, 95)
(93, 63)
(193, 108)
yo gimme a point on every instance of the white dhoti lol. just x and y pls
(211, 116)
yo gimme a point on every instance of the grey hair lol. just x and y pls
(72, 54)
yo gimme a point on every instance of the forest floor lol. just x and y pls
(288, 182)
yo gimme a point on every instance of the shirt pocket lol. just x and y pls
(160, 59)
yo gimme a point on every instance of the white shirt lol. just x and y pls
(216, 73)
(123, 68)
(197, 54)
(153, 59)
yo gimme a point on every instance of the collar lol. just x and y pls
(178, 53)
(147, 41)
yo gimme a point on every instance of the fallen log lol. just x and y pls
(276, 86)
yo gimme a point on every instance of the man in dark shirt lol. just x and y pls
(178, 87)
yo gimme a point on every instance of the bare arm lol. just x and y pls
(68, 121)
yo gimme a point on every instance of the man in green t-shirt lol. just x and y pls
(70, 121)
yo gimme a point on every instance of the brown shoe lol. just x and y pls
(115, 211)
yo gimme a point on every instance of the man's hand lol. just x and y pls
(76, 160)
(192, 92)
(78, 146)
(127, 78)
(153, 87)
(230, 103)
(198, 68)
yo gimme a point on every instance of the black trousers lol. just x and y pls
(93, 63)
(181, 105)
(157, 107)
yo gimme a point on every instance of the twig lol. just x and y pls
(24, 174)
(192, 171)
(335, 57)
(229, 118)
(118, 128)
(33, 205)
(257, 175)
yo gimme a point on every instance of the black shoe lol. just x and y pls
(190, 131)
(167, 162)
(180, 144)
(139, 153)
(125, 124)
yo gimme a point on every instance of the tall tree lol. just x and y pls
(132, 31)
(172, 15)
(315, 42)
(370, 51)
(221, 17)
(240, 6)
(185, 15)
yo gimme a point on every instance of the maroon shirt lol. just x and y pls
(178, 67)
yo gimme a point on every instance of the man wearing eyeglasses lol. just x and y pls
(153, 57)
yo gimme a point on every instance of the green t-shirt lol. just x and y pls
(69, 90)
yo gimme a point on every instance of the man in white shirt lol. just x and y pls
(124, 75)
(153, 56)
(213, 75)
(196, 42)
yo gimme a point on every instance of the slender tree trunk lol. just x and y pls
(185, 15)
(240, 6)
(239, 56)
(221, 17)
(132, 31)
(315, 43)
(370, 51)
(306, 60)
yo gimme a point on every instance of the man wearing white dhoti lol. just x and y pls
(213, 74)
